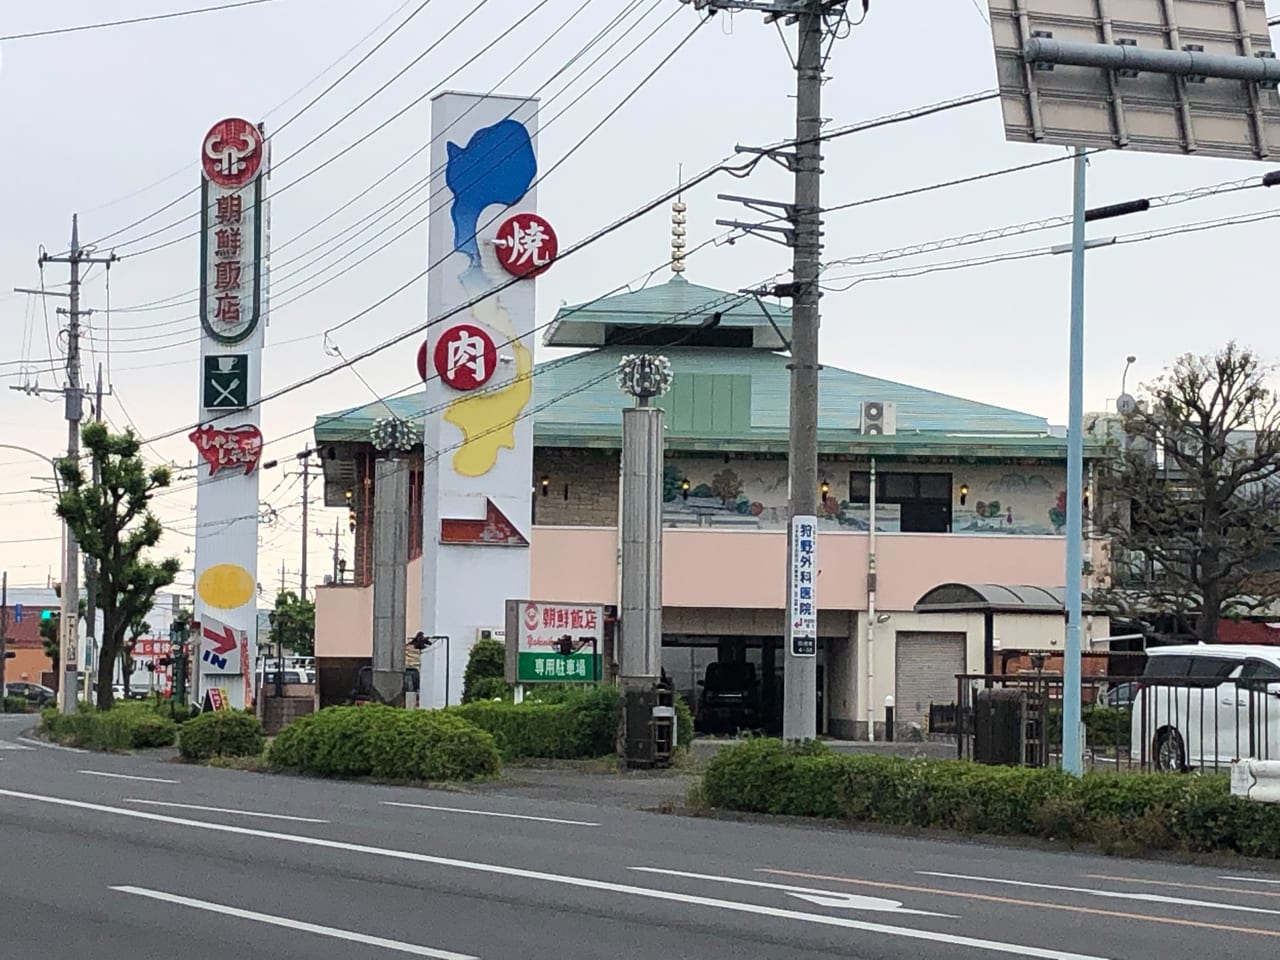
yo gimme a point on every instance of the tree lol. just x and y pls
(293, 624)
(726, 486)
(484, 677)
(1188, 535)
(113, 524)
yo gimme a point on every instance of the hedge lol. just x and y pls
(16, 705)
(1105, 727)
(1122, 813)
(386, 743)
(122, 728)
(583, 725)
(222, 733)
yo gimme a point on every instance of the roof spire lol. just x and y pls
(677, 225)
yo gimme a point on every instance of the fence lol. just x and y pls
(1130, 723)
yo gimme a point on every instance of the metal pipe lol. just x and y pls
(871, 604)
(1184, 63)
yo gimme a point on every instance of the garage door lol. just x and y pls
(926, 664)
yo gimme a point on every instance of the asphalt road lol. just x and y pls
(109, 857)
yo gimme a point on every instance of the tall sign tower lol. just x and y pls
(484, 232)
(233, 243)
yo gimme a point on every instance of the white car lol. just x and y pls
(1206, 705)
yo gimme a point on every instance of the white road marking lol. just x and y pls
(1107, 894)
(50, 746)
(12, 746)
(604, 886)
(1251, 880)
(333, 932)
(241, 813)
(125, 776)
(490, 813)
(823, 898)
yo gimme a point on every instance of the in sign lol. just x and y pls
(465, 357)
(526, 245)
(232, 152)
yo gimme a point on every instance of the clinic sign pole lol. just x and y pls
(802, 608)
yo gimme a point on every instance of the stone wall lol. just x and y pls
(581, 488)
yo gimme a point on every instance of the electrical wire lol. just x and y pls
(366, 222)
(134, 20)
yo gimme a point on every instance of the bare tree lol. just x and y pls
(1194, 498)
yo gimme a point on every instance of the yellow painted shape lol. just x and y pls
(488, 420)
(226, 586)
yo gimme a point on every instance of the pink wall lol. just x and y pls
(731, 568)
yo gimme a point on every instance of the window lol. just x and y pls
(1261, 670)
(923, 499)
(1167, 667)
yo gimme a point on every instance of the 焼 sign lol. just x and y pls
(231, 231)
(803, 607)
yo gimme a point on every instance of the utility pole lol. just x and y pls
(76, 257)
(305, 458)
(4, 628)
(816, 20)
(90, 566)
(390, 565)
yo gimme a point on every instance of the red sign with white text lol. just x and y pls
(232, 154)
(233, 447)
(465, 357)
(526, 245)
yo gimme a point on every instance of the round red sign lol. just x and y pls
(422, 361)
(232, 152)
(526, 245)
(465, 357)
(531, 617)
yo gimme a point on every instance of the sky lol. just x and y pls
(108, 124)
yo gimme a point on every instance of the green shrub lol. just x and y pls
(684, 725)
(221, 733)
(584, 724)
(486, 671)
(16, 705)
(387, 743)
(1104, 727)
(1122, 813)
(125, 727)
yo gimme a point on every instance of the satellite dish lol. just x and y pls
(1125, 404)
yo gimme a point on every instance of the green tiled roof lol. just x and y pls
(676, 303)
(576, 402)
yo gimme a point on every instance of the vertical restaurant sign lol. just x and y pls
(231, 230)
(803, 609)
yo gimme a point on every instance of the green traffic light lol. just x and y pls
(46, 614)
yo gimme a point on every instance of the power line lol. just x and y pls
(123, 23)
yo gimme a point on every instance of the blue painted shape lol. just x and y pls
(496, 166)
(17, 613)
(217, 661)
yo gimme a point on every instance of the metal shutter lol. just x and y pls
(926, 665)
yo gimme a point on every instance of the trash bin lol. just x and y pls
(999, 727)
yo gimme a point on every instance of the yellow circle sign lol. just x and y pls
(226, 586)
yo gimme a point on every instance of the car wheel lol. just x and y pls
(1170, 756)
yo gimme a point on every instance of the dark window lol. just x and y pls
(1167, 667)
(935, 486)
(923, 499)
(900, 486)
(1260, 670)
(1212, 667)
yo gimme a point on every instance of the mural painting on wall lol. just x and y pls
(1012, 503)
(753, 494)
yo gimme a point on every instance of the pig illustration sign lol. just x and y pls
(233, 447)
(554, 642)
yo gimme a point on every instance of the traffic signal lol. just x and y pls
(47, 614)
(565, 645)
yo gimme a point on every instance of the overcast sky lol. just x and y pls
(108, 123)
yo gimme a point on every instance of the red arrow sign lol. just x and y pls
(224, 642)
(494, 530)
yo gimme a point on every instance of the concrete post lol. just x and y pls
(390, 565)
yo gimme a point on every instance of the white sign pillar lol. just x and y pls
(484, 232)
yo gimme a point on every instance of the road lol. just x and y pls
(111, 857)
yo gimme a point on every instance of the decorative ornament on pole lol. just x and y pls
(644, 376)
(392, 435)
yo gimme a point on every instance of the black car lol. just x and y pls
(35, 694)
(730, 698)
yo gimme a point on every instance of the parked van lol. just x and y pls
(1207, 705)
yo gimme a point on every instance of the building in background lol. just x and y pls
(966, 493)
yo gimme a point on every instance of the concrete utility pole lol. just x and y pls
(70, 622)
(390, 568)
(816, 20)
(4, 627)
(305, 457)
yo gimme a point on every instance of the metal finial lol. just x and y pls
(677, 226)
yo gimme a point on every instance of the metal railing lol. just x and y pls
(1130, 723)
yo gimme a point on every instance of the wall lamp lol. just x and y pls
(684, 488)
(546, 484)
(964, 493)
(825, 488)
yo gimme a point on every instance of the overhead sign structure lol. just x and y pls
(234, 290)
(1130, 74)
(553, 642)
(803, 607)
(486, 243)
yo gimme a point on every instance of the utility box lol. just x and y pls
(648, 726)
(999, 727)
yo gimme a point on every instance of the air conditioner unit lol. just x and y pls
(879, 418)
(491, 633)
